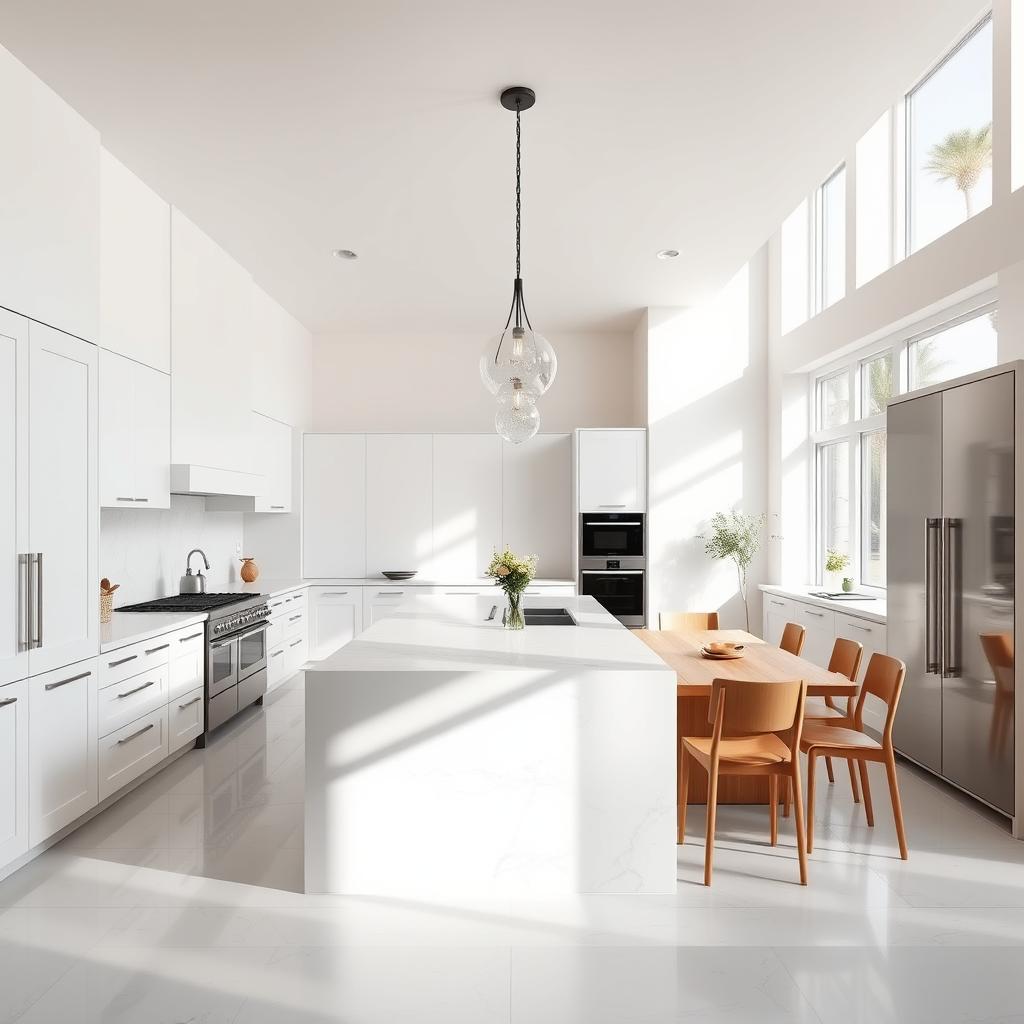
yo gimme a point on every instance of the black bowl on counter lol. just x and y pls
(394, 574)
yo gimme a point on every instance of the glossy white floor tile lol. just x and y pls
(184, 902)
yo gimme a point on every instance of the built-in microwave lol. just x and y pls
(611, 535)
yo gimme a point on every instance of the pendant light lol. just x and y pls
(519, 365)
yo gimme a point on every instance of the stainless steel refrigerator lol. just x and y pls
(950, 550)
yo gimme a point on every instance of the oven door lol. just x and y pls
(620, 592)
(222, 670)
(605, 537)
(252, 651)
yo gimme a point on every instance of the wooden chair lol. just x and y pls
(688, 620)
(793, 638)
(756, 731)
(883, 679)
(846, 656)
(998, 648)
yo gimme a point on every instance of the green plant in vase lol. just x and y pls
(835, 563)
(513, 573)
(736, 537)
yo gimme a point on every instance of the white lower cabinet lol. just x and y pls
(295, 655)
(820, 635)
(62, 748)
(122, 703)
(184, 719)
(13, 770)
(777, 612)
(379, 602)
(125, 754)
(188, 663)
(335, 618)
(871, 634)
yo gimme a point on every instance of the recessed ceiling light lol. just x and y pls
(668, 254)
(345, 254)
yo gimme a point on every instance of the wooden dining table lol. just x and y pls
(680, 650)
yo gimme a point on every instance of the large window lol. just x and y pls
(830, 240)
(849, 402)
(949, 140)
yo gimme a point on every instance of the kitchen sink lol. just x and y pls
(548, 617)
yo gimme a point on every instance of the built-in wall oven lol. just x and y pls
(612, 563)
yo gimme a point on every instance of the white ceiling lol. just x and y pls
(288, 129)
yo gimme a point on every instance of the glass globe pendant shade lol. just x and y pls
(517, 418)
(519, 354)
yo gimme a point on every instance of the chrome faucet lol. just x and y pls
(194, 584)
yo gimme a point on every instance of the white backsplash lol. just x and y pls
(144, 550)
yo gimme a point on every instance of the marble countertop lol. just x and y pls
(433, 633)
(424, 581)
(126, 628)
(874, 611)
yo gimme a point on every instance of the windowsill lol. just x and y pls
(874, 611)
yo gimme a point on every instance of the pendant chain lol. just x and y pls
(518, 193)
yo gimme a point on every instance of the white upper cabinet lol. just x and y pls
(14, 363)
(63, 520)
(467, 503)
(612, 470)
(211, 377)
(135, 267)
(273, 443)
(399, 502)
(282, 357)
(334, 505)
(49, 205)
(135, 434)
(536, 499)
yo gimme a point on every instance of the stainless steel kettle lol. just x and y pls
(193, 583)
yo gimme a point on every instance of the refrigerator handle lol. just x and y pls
(932, 596)
(953, 598)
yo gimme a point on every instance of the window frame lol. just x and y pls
(897, 346)
(819, 243)
(904, 169)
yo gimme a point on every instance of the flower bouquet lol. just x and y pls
(513, 574)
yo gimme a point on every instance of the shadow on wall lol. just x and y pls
(707, 407)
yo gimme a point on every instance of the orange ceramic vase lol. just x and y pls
(250, 570)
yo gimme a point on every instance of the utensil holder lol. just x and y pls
(106, 607)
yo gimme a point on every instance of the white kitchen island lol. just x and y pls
(447, 755)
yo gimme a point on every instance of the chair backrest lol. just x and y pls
(998, 648)
(741, 707)
(793, 638)
(846, 655)
(687, 620)
(884, 680)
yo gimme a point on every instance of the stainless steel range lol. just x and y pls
(236, 649)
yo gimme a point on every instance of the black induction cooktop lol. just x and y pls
(188, 603)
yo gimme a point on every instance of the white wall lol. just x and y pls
(145, 550)
(431, 383)
(706, 410)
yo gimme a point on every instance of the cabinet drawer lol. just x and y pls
(295, 624)
(276, 666)
(776, 605)
(13, 770)
(870, 634)
(124, 755)
(277, 606)
(188, 667)
(130, 661)
(275, 632)
(815, 618)
(184, 719)
(295, 656)
(132, 698)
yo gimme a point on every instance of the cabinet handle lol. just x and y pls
(23, 591)
(162, 647)
(817, 615)
(123, 661)
(857, 625)
(779, 604)
(277, 507)
(135, 735)
(9, 700)
(274, 654)
(295, 643)
(463, 593)
(294, 618)
(623, 505)
(337, 593)
(390, 593)
(39, 599)
(138, 689)
(191, 636)
(189, 703)
(142, 499)
(64, 682)
(124, 499)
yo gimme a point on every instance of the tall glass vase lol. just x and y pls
(513, 618)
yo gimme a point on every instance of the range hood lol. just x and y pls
(211, 482)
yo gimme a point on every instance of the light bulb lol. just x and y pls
(517, 418)
(522, 354)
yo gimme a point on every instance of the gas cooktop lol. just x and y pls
(189, 603)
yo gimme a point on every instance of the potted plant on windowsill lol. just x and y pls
(835, 563)
(737, 537)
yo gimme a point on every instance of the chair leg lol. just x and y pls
(709, 840)
(854, 787)
(802, 846)
(684, 788)
(773, 807)
(787, 797)
(866, 789)
(811, 768)
(897, 806)
(828, 768)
